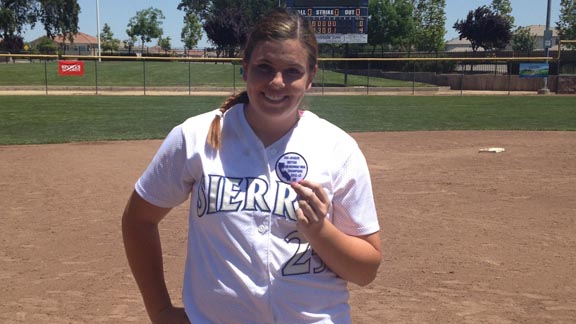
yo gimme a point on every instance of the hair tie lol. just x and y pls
(219, 113)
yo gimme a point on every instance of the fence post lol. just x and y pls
(144, 72)
(46, 74)
(368, 80)
(509, 65)
(413, 78)
(322, 79)
(189, 77)
(462, 79)
(96, 74)
(347, 55)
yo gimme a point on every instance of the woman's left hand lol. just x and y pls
(314, 205)
(353, 258)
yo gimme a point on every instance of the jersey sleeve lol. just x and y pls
(354, 210)
(167, 181)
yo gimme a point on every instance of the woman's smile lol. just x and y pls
(275, 98)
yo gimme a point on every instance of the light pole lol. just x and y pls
(98, 27)
(547, 44)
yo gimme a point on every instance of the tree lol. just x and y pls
(484, 28)
(60, 17)
(429, 17)
(504, 9)
(200, 8)
(107, 40)
(567, 21)
(191, 32)
(164, 44)
(14, 15)
(381, 23)
(390, 24)
(57, 16)
(146, 25)
(523, 41)
(405, 26)
(129, 43)
(227, 31)
(12, 44)
(46, 46)
(227, 22)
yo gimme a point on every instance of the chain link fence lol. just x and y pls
(193, 75)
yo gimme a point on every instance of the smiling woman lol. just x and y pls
(280, 62)
(282, 211)
(276, 77)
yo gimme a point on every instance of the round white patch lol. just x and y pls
(291, 167)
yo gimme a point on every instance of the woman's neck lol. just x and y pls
(270, 130)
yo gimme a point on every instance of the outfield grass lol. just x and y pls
(160, 74)
(58, 119)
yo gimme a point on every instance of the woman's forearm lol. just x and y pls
(144, 253)
(355, 259)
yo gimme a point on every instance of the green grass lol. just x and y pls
(388, 113)
(58, 119)
(121, 74)
(159, 74)
(55, 119)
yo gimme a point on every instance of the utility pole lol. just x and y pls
(547, 45)
(98, 28)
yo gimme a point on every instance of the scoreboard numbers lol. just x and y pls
(343, 21)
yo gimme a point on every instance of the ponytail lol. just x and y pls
(214, 133)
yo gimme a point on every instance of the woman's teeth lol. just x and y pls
(274, 98)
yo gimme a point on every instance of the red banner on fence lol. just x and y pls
(74, 68)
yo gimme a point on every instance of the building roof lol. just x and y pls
(80, 38)
(538, 30)
(460, 45)
(458, 41)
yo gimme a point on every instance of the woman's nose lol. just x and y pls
(277, 80)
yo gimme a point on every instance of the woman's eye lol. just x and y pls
(265, 67)
(294, 72)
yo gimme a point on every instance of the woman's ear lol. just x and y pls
(311, 77)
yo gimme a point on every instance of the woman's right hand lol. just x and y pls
(171, 315)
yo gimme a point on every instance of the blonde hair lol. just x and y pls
(278, 25)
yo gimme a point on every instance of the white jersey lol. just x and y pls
(246, 262)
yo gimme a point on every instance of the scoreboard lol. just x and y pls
(335, 21)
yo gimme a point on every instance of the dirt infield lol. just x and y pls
(468, 237)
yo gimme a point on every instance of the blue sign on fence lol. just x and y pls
(534, 70)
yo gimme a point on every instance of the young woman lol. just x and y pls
(281, 215)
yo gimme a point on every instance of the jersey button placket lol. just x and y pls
(262, 229)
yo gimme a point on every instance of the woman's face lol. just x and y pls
(277, 76)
